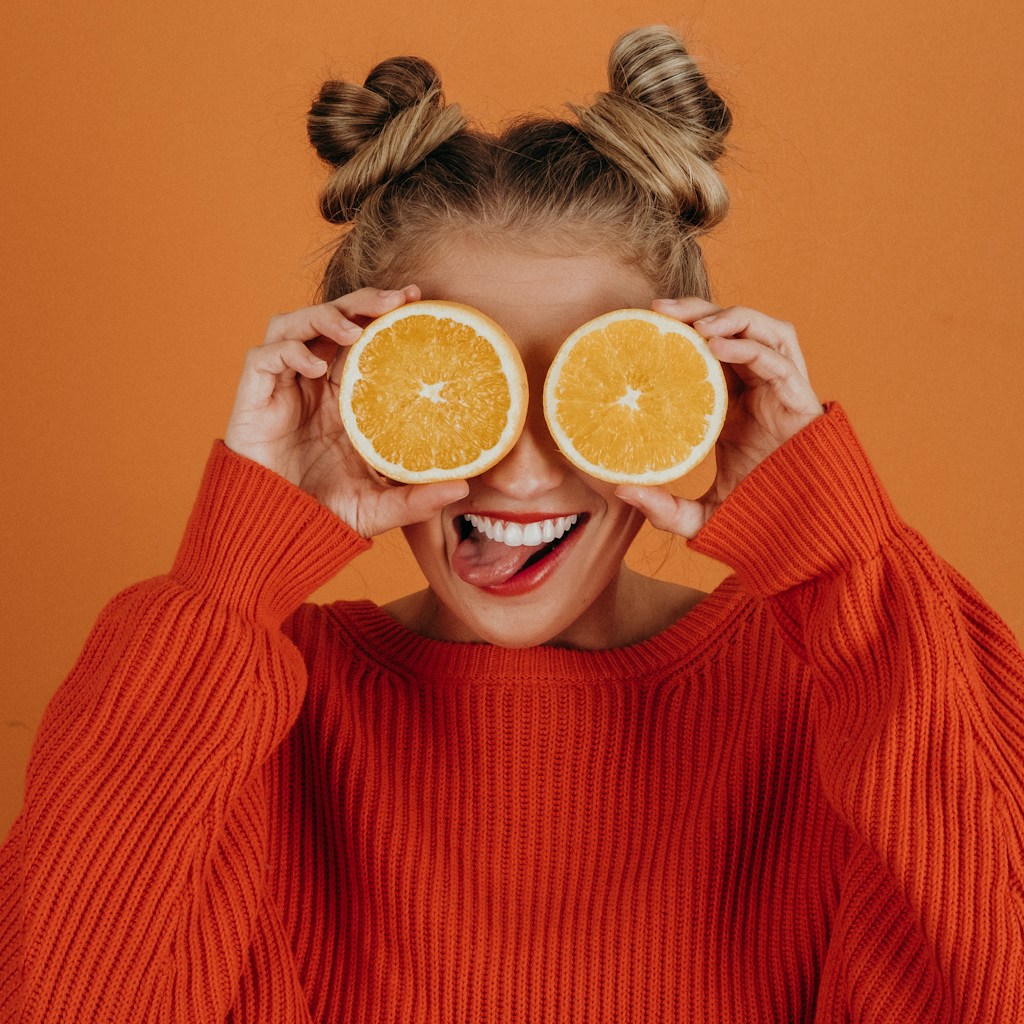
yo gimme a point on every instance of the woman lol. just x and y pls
(545, 788)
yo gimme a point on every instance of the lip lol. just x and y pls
(533, 576)
(518, 517)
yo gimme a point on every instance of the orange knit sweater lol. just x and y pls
(803, 802)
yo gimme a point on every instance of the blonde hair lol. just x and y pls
(633, 173)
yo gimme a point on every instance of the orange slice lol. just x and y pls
(433, 391)
(635, 397)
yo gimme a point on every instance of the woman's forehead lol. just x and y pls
(534, 296)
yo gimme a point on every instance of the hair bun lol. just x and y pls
(375, 132)
(662, 124)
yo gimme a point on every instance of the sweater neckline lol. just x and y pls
(394, 646)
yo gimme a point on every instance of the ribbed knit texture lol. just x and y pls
(802, 802)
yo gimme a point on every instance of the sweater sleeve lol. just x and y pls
(918, 704)
(131, 882)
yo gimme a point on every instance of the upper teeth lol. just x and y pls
(518, 534)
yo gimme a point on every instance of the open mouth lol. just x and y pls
(510, 555)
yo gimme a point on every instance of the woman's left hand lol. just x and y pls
(770, 400)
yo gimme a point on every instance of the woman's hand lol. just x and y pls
(770, 400)
(286, 415)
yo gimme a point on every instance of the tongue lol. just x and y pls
(486, 563)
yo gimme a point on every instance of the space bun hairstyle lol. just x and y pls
(663, 125)
(374, 133)
(633, 174)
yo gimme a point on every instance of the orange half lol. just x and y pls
(635, 397)
(433, 391)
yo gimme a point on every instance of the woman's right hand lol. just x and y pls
(286, 416)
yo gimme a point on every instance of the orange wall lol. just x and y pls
(159, 206)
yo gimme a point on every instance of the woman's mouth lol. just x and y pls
(509, 554)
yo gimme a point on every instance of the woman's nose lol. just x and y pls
(533, 467)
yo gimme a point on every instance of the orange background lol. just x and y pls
(160, 205)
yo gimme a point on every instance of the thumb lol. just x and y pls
(414, 503)
(665, 511)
